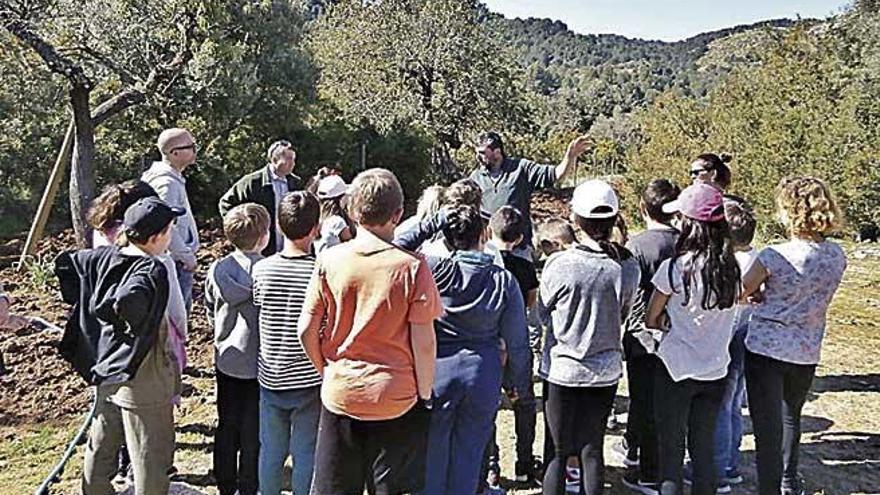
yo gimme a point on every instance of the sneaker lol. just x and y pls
(572, 480)
(721, 488)
(793, 487)
(733, 477)
(531, 472)
(611, 424)
(621, 450)
(631, 480)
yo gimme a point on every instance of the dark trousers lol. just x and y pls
(686, 411)
(387, 456)
(641, 430)
(237, 441)
(576, 417)
(777, 392)
(525, 416)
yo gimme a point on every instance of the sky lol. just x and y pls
(668, 20)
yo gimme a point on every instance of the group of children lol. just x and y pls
(372, 351)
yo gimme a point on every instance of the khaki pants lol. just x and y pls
(149, 434)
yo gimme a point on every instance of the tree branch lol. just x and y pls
(117, 103)
(57, 63)
(167, 73)
(160, 78)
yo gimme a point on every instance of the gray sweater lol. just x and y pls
(170, 185)
(229, 298)
(586, 296)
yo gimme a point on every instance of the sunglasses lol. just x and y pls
(192, 146)
(697, 171)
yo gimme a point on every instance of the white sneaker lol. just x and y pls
(572, 480)
(621, 452)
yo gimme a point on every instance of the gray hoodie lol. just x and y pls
(229, 298)
(170, 185)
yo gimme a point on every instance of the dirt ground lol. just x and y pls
(42, 402)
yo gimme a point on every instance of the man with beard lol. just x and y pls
(508, 181)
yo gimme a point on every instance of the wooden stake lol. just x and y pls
(48, 199)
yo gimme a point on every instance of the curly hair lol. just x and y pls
(807, 207)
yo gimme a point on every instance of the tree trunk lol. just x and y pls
(443, 164)
(82, 166)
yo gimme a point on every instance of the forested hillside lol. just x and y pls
(406, 84)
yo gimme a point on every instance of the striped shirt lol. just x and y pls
(280, 284)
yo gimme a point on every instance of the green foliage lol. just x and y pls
(584, 77)
(406, 84)
(32, 124)
(430, 65)
(41, 273)
(808, 107)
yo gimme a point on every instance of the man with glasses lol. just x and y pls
(179, 150)
(266, 187)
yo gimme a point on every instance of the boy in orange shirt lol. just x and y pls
(376, 352)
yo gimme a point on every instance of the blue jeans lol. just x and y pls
(185, 280)
(466, 400)
(729, 426)
(288, 424)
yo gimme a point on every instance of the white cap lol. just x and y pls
(331, 186)
(594, 199)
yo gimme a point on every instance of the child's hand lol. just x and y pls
(512, 395)
(755, 297)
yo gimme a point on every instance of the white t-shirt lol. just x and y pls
(331, 228)
(696, 345)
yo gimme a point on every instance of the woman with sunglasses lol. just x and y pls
(712, 169)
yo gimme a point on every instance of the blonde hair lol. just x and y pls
(429, 202)
(245, 225)
(807, 206)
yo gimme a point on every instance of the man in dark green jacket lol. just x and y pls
(266, 187)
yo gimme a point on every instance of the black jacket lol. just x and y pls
(118, 302)
(256, 187)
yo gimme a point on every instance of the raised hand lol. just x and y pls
(578, 146)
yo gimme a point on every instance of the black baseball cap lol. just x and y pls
(149, 216)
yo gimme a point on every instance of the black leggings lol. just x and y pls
(685, 412)
(777, 392)
(576, 417)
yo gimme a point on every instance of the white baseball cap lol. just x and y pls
(594, 199)
(332, 186)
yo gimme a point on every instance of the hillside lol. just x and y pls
(583, 77)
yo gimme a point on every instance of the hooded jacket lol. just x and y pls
(118, 302)
(229, 296)
(170, 185)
